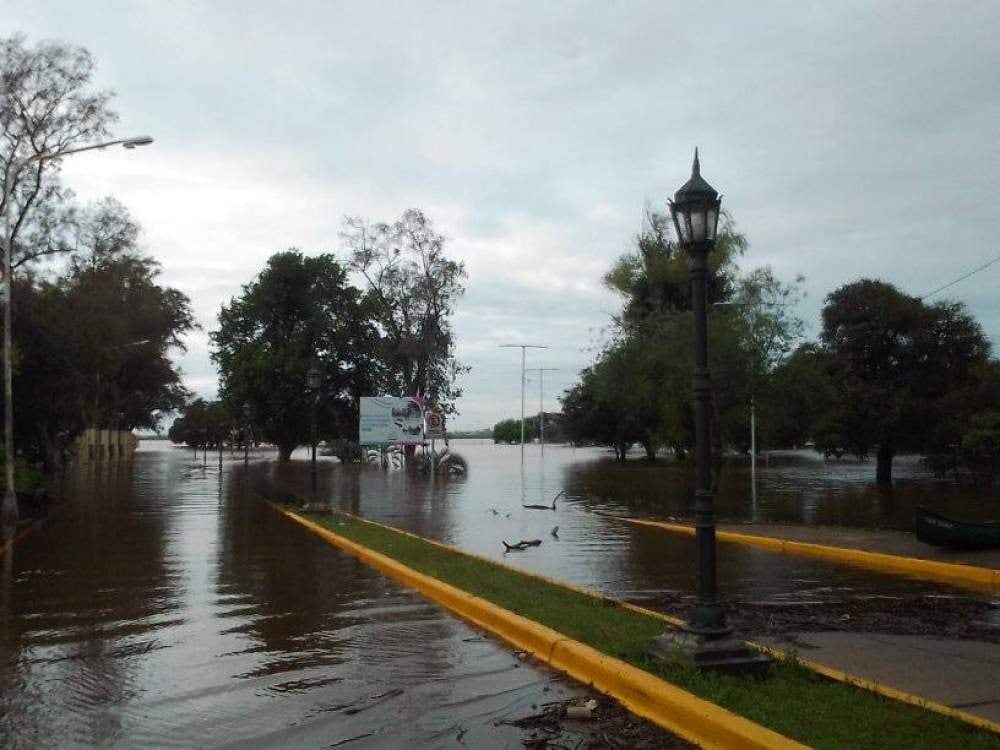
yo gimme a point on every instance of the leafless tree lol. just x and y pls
(48, 105)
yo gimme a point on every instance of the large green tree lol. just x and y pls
(93, 343)
(414, 287)
(299, 312)
(895, 362)
(640, 382)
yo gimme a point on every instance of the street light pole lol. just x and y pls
(695, 211)
(9, 510)
(523, 348)
(541, 399)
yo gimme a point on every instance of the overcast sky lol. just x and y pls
(849, 140)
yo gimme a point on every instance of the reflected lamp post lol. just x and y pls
(314, 379)
(247, 414)
(705, 635)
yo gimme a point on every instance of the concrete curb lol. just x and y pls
(970, 576)
(693, 718)
(828, 672)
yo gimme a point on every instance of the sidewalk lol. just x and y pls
(964, 675)
(884, 541)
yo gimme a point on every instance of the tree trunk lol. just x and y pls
(650, 448)
(285, 452)
(883, 469)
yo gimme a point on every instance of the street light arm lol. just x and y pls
(129, 143)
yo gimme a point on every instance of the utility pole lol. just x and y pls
(541, 401)
(523, 348)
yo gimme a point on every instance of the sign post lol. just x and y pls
(434, 430)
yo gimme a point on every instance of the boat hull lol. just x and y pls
(940, 531)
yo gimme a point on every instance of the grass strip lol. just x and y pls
(793, 701)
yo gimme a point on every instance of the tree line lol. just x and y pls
(93, 329)
(389, 333)
(889, 373)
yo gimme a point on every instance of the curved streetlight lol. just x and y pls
(9, 508)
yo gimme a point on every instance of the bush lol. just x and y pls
(347, 451)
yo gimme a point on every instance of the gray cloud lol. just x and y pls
(849, 139)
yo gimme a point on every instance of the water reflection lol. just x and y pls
(480, 511)
(165, 607)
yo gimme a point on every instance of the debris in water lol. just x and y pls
(521, 545)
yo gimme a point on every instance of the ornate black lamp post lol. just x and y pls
(313, 379)
(695, 211)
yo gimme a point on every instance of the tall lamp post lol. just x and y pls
(9, 509)
(695, 212)
(313, 379)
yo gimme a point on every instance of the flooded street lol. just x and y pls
(165, 604)
(480, 511)
(157, 607)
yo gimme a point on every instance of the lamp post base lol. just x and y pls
(716, 651)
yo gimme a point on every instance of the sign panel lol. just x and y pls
(386, 421)
(435, 425)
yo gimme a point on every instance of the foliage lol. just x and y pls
(638, 389)
(347, 451)
(794, 403)
(299, 312)
(509, 430)
(980, 448)
(414, 288)
(895, 364)
(47, 106)
(93, 343)
(653, 279)
(203, 424)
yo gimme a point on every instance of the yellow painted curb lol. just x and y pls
(828, 672)
(888, 692)
(985, 579)
(693, 718)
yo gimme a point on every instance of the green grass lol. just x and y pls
(792, 701)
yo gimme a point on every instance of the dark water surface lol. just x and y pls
(480, 511)
(161, 607)
(164, 605)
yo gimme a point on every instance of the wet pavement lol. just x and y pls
(159, 607)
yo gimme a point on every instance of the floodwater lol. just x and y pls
(163, 604)
(481, 511)
(158, 606)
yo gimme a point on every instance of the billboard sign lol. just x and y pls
(386, 420)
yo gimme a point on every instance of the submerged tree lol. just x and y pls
(414, 287)
(894, 361)
(93, 344)
(298, 313)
